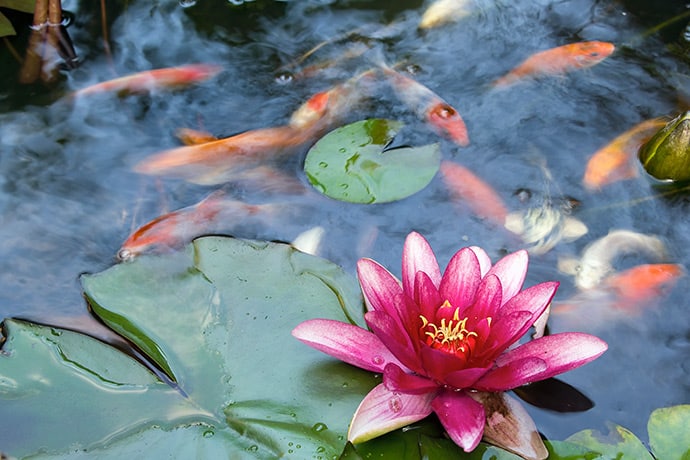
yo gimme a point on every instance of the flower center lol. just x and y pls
(449, 334)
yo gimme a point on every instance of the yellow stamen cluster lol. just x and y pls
(450, 335)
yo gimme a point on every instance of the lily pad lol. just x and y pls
(352, 164)
(217, 318)
(669, 436)
(619, 443)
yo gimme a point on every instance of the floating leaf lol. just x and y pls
(669, 436)
(666, 156)
(218, 318)
(619, 443)
(561, 450)
(351, 164)
(6, 26)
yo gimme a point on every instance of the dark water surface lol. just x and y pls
(69, 197)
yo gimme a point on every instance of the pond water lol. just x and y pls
(69, 196)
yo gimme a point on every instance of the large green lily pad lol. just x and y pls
(669, 432)
(217, 318)
(352, 164)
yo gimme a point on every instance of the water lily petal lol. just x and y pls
(561, 352)
(394, 338)
(346, 342)
(426, 295)
(534, 299)
(397, 379)
(504, 332)
(382, 411)
(461, 416)
(461, 279)
(381, 289)
(483, 258)
(487, 300)
(509, 426)
(418, 257)
(512, 375)
(465, 378)
(437, 364)
(511, 270)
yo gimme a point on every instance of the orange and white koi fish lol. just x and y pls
(172, 77)
(557, 61)
(597, 259)
(466, 187)
(217, 161)
(175, 229)
(442, 12)
(429, 106)
(617, 160)
(325, 108)
(620, 296)
(642, 283)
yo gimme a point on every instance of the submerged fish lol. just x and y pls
(617, 160)
(175, 229)
(428, 106)
(559, 60)
(620, 296)
(324, 108)
(172, 77)
(544, 227)
(597, 259)
(442, 12)
(472, 191)
(217, 161)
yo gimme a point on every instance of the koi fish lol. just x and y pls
(597, 259)
(309, 241)
(322, 109)
(428, 106)
(559, 60)
(217, 161)
(544, 227)
(442, 12)
(620, 295)
(642, 282)
(172, 77)
(175, 229)
(616, 160)
(477, 194)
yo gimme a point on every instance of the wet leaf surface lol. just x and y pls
(352, 164)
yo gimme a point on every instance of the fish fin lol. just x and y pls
(568, 265)
(574, 228)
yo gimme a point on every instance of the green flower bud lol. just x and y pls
(666, 156)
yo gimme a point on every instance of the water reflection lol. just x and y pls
(69, 197)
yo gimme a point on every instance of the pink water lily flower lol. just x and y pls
(447, 344)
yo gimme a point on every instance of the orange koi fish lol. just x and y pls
(477, 194)
(177, 228)
(172, 77)
(621, 294)
(428, 106)
(616, 160)
(217, 161)
(642, 283)
(559, 60)
(324, 108)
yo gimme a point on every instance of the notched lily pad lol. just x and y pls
(218, 318)
(352, 164)
(619, 443)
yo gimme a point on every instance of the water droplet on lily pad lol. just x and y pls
(318, 427)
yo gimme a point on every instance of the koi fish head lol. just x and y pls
(447, 121)
(311, 111)
(587, 54)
